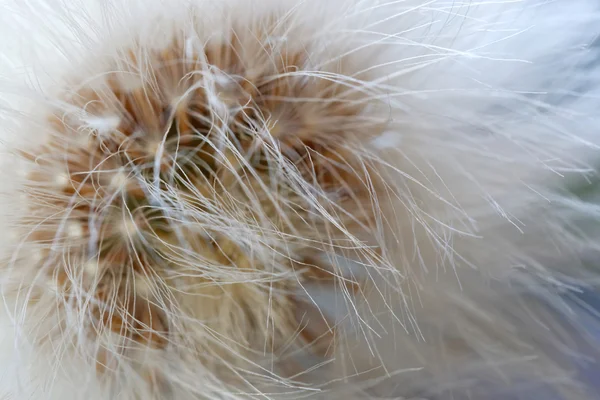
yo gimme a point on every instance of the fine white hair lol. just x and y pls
(474, 155)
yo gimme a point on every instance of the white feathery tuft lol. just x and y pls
(291, 199)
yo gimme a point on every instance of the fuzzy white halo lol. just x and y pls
(298, 199)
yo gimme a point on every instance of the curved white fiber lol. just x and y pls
(489, 111)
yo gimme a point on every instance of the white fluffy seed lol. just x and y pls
(75, 230)
(91, 268)
(61, 180)
(103, 125)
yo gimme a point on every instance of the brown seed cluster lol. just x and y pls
(185, 170)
